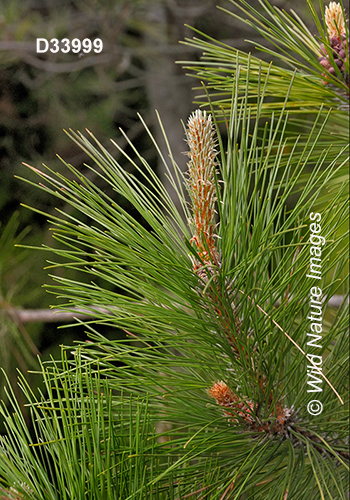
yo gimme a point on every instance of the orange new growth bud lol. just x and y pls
(201, 168)
(223, 394)
(245, 411)
(228, 399)
(334, 20)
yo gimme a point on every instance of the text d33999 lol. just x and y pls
(65, 45)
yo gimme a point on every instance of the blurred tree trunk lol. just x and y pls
(169, 91)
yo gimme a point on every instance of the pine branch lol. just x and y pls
(206, 308)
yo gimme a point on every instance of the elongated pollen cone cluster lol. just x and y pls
(201, 171)
(338, 41)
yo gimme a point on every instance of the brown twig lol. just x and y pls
(22, 316)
